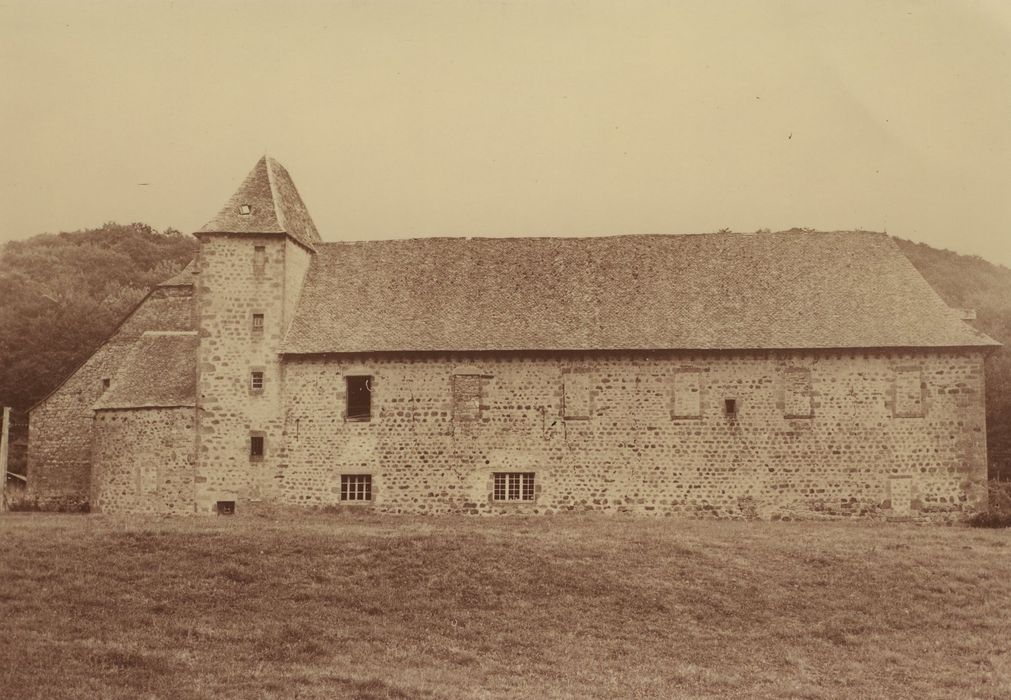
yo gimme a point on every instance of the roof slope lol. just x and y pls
(274, 206)
(712, 291)
(160, 372)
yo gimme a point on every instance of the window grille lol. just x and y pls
(356, 487)
(514, 486)
(257, 323)
(256, 381)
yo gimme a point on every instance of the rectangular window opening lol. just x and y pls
(513, 486)
(359, 397)
(258, 323)
(256, 447)
(256, 381)
(356, 487)
(225, 507)
(730, 407)
(259, 259)
(106, 383)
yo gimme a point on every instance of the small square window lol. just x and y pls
(225, 507)
(730, 407)
(256, 381)
(245, 209)
(256, 447)
(356, 487)
(359, 398)
(258, 323)
(513, 486)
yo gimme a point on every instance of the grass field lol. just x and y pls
(368, 607)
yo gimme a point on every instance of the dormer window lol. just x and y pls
(245, 209)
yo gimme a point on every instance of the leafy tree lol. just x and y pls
(62, 294)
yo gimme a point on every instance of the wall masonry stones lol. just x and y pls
(60, 426)
(643, 449)
(144, 460)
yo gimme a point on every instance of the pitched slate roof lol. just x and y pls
(783, 290)
(274, 206)
(184, 278)
(160, 371)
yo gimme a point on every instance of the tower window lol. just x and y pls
(259, 259)
(256, 381)
(258, 323)
(730, 407)
(256, 447)
(359, 398)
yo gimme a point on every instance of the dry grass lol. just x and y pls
(368, 607)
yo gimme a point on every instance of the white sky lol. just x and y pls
(401, 119)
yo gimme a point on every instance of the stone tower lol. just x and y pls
(251, 264)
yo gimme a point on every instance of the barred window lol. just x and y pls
(514, 486)
(258, 323)
(356, 487)
(256, 381)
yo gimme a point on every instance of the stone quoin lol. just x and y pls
(794, 374)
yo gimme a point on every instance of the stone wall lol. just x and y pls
(233, 285)
(814, 434)
(144, 460)
(59, 444)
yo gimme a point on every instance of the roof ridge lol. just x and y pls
(274, 196)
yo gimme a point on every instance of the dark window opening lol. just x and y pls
(106, 383)
(513, 486)
(225, 507)
(356, 487)
(256, 381)
(256, 447)
(359, 397)
(730, 407)
(257, 323)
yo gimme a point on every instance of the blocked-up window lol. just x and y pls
(513, 486)
(576, 395)
(467, 397)
(687, 400)
(259, 259)
(797, 397)
(908, 392)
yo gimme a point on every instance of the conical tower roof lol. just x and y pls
(266, 202)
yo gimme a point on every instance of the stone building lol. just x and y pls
(791, 374)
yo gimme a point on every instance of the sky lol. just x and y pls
(466, 118)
